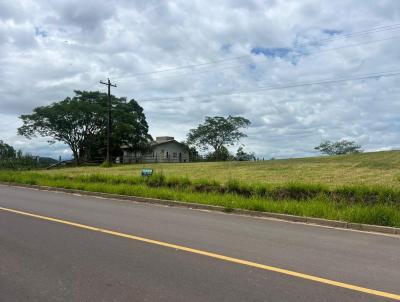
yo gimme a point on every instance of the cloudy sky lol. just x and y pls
(184, 60)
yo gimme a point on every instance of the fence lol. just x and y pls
(130, 159)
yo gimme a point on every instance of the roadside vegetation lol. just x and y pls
(259, 186)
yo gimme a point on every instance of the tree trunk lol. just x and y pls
(217, 153)
(76, 157)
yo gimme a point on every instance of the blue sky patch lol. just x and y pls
(226, 47)
(40, 33)
(274, 52)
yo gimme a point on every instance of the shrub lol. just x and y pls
(156, 180)
(299, 191)
(237, 187)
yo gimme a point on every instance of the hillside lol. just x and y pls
(382, 168)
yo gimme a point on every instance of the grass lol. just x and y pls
(377, 168)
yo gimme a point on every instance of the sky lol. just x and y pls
(184, 60)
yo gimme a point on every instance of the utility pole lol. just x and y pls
(108, 159)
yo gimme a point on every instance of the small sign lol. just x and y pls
(146, 172)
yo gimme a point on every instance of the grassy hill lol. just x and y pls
(375, 168)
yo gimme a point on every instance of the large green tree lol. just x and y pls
(80, 123)
(129, 129)
(217, 133)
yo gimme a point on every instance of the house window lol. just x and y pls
(174, 155)
(167, 155)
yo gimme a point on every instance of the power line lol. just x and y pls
(364, 32)
(357, 44)
(283, 86)
(247, 64)
(192, 65)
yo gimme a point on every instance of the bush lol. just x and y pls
(156, 180)
(237, 187)
(300, 191)
(106, 164)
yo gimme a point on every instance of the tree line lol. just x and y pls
(79, 122)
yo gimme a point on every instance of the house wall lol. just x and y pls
(168, 152)
(163, 153)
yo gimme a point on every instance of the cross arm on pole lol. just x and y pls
(108, 83)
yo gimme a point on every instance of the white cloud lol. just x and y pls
(50, 48)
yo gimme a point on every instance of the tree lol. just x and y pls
(241, 155)
(218, 132)
(339, 147)
(80, 123)
(6, 151)
(129, 129)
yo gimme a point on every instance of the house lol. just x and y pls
(165, 149)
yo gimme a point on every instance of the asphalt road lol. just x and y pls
(44, 260)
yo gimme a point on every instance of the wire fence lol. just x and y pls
(174, 158)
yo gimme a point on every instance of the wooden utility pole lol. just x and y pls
(108, 159)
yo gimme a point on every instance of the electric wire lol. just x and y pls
(246, 65)
(282, 86)
(364, 32)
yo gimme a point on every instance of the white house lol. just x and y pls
(165, 149)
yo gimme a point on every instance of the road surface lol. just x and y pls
(80, 248)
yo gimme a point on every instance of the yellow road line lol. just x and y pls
(213, 255)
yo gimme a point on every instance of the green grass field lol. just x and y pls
(363, 188)
(377, 168)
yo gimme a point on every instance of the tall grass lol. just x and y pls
(361, 204)
(365, 195)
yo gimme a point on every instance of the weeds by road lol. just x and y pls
(378, 205)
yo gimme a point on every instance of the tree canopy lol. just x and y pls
(129, 129)
(217, 133)
(80, 123)
(339, 147)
